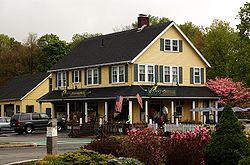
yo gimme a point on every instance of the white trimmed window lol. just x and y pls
(61, 79)
(171, 45)
(146, 73)
(197, 75)
(76, 76)
(118, 74)
(170, 74)
(93, 75)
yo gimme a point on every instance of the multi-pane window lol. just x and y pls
(171, 45)
(175, 45)
(150, 73)
(167, 44)
(61, 79)
(170, 74)
(76, 76)
(146, 73)
(92, 75)
(197, 75)
(142, 73)
(167, 75)
(175, 74)
(118, 74)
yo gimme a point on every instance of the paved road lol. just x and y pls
(8, 155)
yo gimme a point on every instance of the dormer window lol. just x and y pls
(170, 45)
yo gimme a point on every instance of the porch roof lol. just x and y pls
(162, 92)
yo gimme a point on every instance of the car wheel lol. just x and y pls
(28, 129)
(59, 128)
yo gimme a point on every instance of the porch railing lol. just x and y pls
(191, 127)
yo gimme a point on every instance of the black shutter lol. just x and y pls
(161, 73)
(161, 44)
(156, 73)
(56, 79)
(85, 76)
(202, 75)
(67, 74)
(100, 75)
(191, 75)
(126, 73)
(73, 75)
(110, 74)
(80, 76)
(135, 72)
(180, 46)
(180, 75)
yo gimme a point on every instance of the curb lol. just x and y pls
(17, 145)
(24, 162)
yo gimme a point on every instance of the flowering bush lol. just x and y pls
(144, 145)
(189, 146)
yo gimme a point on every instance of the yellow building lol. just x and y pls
(21, 93)
(157, 62)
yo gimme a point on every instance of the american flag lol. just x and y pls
(118, 103)
(139, 100)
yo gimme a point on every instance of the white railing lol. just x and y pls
(183, 127)
(191, 127)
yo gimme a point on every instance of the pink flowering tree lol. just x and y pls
(232, 93)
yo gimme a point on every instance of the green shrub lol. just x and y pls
(245, 161)
(86, 157)
(229, 144)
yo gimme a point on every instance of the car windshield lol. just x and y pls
(15, 117)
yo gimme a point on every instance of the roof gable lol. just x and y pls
(182, 34)
(20, 86)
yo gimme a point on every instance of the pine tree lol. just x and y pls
(229, 144)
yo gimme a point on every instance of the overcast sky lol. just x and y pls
(67, 17)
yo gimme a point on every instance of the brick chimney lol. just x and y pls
(143, 20)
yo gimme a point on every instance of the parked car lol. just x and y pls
(5, 123)
(28, 122)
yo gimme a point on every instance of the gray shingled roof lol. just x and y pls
(19, 86)
(110, 48)
(172, 92)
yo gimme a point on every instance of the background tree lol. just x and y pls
(194, 33)
(229, 144)
(10, 52)
(244, 16)
(77, 38)
(232, 93)
(32, 53)
(53, 49)
(219, 49)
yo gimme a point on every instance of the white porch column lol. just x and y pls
(193, 113)
(68, 111)
(146, 111)
(86, 112)
(130, 104)
(40, 107)
(105, 111)
(172, 111)
(53, 112)
(216, 112)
